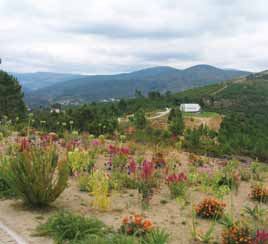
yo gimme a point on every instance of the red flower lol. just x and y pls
(176, 178)
(132, 166)
(147, 170)
(25, 144)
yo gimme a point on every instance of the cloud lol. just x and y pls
(110, 36)
(126, 32)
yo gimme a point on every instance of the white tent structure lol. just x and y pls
(190, 107)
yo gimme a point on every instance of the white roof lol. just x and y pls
(190, 107)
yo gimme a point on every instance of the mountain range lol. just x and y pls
(44, 88)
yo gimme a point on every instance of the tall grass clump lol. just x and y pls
(36, 174)
(157, 236)
(65, 226)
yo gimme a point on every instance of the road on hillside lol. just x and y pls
(159, 115)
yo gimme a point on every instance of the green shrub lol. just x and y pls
(65, 226)
(108, 239)
(245, 174)
(37, 175)
(175, 122)
(157, 236)
(5, 189)
(139, 119)
(122, 180)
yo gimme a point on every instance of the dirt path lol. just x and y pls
(160, 114)
(7, 236)
(220, 90)
(18, 224)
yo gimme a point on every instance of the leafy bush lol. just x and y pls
(245, 174)
(65, 226)
(257, 216)
(139, 119)
(257, 170)
(81, 161)
(230, 175)
(122, 180)
(36, 174)
(5, 189)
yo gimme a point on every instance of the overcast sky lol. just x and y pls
(110, 36)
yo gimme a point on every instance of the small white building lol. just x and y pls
(190, 107)
(55, 110)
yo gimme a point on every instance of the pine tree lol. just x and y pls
(176, 123)
(11, 97)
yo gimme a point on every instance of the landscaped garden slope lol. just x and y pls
(129, 192)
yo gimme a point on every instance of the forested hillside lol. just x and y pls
(244, 104)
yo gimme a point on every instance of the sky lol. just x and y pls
(112, 36)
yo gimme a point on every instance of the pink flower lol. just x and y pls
(132, 166)
(95, 142)
(76, 174)
(147, 170)
(112, 149)
(176, 178)
(124, 150)
(261, 237)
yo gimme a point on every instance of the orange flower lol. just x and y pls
(147, 225)
(138, 220)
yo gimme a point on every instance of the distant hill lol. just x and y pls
(64, 88)
(34, 81)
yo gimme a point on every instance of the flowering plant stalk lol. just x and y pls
(119, 158)
(146, 182)
(99, 185)
(177, 184)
